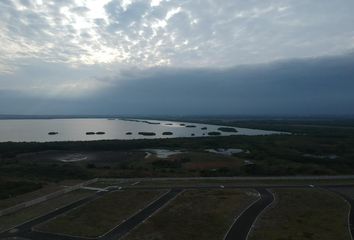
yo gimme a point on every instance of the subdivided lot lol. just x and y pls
(304, 214)
(98, 217)
(14, 219)
(195, 214)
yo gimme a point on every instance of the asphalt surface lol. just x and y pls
(141, 216)
(351, 213)
(244, 222)
(238, 231)
(25, 230)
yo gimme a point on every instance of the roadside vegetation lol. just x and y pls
(9, 189)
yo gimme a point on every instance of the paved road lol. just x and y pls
(239, 186)
(329, 177)
(25, 230)
(350, 200)
(238, 231)
(244, 222)
(141, 216)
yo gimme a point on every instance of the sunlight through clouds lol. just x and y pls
(123, 34)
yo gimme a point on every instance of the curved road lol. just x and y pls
(350, 200)
(244, 222)
(238, 231)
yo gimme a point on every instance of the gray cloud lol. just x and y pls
(65, 51)
(302, 86)
(175, 33)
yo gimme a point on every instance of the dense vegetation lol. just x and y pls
(10, 189)
(308, 151)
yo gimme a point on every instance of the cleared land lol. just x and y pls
(100, 216)
(11, 220)
(304, 214)
(195, 214)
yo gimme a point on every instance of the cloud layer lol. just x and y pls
(177, 33)
(71, 50)
(307, 86)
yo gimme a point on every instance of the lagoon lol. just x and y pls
(38, 130)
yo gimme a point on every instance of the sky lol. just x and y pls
(190, 57)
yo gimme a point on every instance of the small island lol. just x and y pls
(192, 134)
(190, 126)
(53, 133)
(128, 133)
(167, 133)
(227, 129)
(100, 133)
(204, 128)
(148, 122)
(90, 133)
(214, 133)
(147, 133)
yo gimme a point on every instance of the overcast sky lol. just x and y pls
(176, 56)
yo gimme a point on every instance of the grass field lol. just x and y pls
(195, 214)
(304, 214)
(100, 216)
(37, 210)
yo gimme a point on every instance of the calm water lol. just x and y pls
(37, 130)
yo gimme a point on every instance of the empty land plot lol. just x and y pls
(195, 214)
(304, 214)
(98, 217)
(11, 220)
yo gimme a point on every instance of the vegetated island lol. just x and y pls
(147, 133)
(167, 133)
(128, 133)
(100, 133)
(214, 133)
(148, 122)
(227, 129)
(90, 133)
(190, 126)
(53, 133)
(142, 121)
